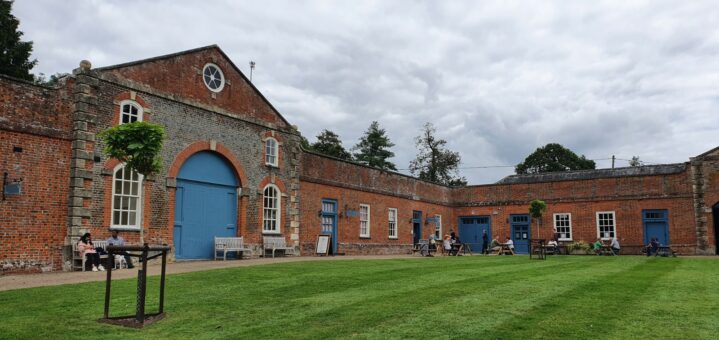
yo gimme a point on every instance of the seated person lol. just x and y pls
(87, 249)
(116, 240)
(597, 246)
(615, 246)
(447, 244)
(495, 245)
(510, 244)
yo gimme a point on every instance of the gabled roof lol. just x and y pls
(195, 50)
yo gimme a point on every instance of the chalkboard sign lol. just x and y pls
(323, 244)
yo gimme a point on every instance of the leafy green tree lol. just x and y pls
(53, 80)
(434, 163)
(14, 53)
(372, 148)
(329, 143)
(136, 144)
(553, 157)
(305, 143)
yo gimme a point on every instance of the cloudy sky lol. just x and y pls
(497, 78)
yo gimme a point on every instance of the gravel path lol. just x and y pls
(10, 282)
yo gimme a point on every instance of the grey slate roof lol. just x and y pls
(645, 170)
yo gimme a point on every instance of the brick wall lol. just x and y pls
(350, 185)
(35, 147)
(192, 127)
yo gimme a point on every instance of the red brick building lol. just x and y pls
(233, 166)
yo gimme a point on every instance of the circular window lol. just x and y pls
(213, 77)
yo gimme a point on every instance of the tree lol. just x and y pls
(53, 80)
(536, 210)
(553, 157)
(434, 163)
(635, 161)
(329, 143)
(305, 143)
(136, 144)
(372, 148)
(14, 54)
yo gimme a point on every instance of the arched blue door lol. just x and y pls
(205, 205)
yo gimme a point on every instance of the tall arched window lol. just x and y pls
(130, 112)
(126, 198)
(271, 151)
(271, 209)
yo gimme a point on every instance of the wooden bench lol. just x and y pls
(78, 259)
(230, 244)
(274, 243)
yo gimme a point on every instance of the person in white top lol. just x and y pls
(510, 243)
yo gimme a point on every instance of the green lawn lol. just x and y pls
(458, 297)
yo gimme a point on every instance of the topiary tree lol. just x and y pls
(536, 210)
(138, 145)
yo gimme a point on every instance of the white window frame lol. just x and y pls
(274, 155)
(222, 77)
(438, 226)
(569, 216)
(278, 210)
(138, 197)
(614, 225)
(392, 223)
(130, 103)
(366, 223)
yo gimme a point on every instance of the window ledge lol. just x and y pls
(121, 228)
(365, 237)
(393, 238)
(272, 166)
(271, 233)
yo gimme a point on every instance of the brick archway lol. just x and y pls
(207, 146)
(192, 149)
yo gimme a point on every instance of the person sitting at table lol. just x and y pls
(432, 244)
(495, 246)
(597, 247)
(510, 244)
(447, 244)
(552, 245)
(615, 246)
(453, 237)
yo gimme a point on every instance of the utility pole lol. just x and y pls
(613, 161)
(252, 68)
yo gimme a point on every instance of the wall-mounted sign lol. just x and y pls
(13, 189)
(351, 213)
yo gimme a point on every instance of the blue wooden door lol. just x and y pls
(521, 232)
(656, 225)
(329, 221)
(471, 229)
(205, 205)
(416, 226)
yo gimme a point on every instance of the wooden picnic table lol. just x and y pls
(504, 249)
(664, 251)
(606, 250)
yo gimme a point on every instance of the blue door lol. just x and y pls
(656, 225)
(205, 205)
(329, 222)
(521, 232)
(471, 229)
(416, 226)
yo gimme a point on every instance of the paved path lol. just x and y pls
(10, 282)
